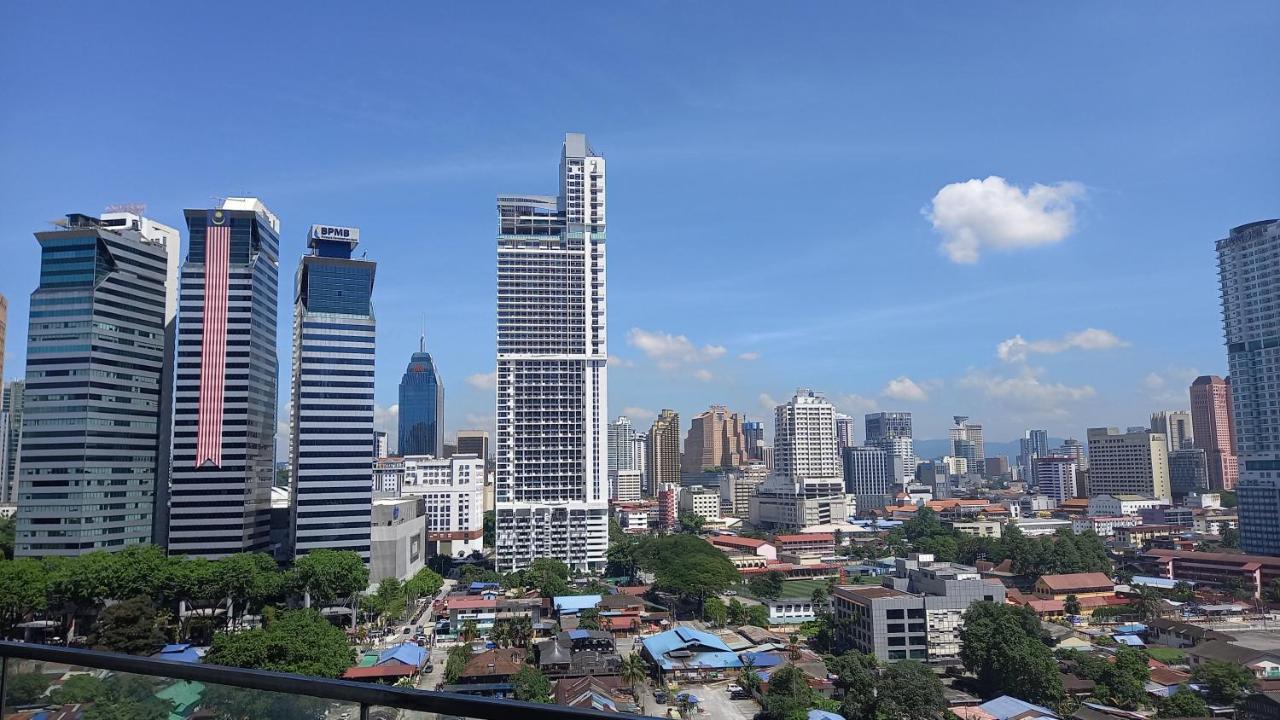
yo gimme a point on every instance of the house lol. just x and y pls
(790, 611)
(1007, 707)
(608, 694)
(688, 654)
(1104, 525)
(1165, 681)
(734, 545)
(1081, 585)
(1177, 634)
(401, 661)
(577, 653)
(493, 666)
(574, 604)
(807, 545)
(1264, 664)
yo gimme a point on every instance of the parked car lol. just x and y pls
(737, 692)
(660, 696)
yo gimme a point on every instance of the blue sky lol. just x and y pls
(777, 208)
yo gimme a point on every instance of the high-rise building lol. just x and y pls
(1128, 463)
(381, 444)
(4, 330)
(997, 466)
(1248, 259)
(334, 333)
(551, 481)
(622, 444)
(1056, 475)
(807, 486)
(664, 450)
(88, 469)
(870, 474)
(224, 426)
(715, 440)
(1075, 449)
(891, 432)
(1213, 428)
(1033, 444)
(1188, 472)
(640, 453)
(966, 442)
(753, 434)
(474, 442)
(421, 406)
(11, 437)
(845, 433)
(1175, 425)
(452, 492)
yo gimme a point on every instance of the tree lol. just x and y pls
(1001, 645)
(748, 678)
(389, 601)
(715, 611)
(456, 662)
(1225, 682)
(789, 696)
(767, 586)
(820, 600)
(424, 584)
(737, 612)
(549, 576)
(299, 641)
(589, 619)
(909, 690)
(327, 575)
(490, 529)
(1230, 538)
(855, 678)
(691, 523)
(1149, 604)
(1072, 605)
(250, 580)
(24, 688)
(925, 523)
(1123, 682)
(130, 626)
(530, 685)
(686, 566)
(1183, 703)
(634, 672)
(468, 632)
(81, 688)
(7, 533)
(23, 589)
(233, 703)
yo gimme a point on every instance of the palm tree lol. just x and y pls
(793, 647)
(634, 672)
(468, 631)
(501, 633)
(747, 676)
(520, 631)
(1149, 604)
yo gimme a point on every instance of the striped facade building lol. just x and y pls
(224, 418)
(91, 416)
(332, 399)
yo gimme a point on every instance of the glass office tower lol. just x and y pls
(421, 406)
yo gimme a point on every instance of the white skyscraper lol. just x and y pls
(807, 485)
(622, 444)
(844, 431)
(551, 480)
(966, 442)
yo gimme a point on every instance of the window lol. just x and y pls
(894, 614)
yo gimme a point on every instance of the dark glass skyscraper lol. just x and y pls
(224, 417)
(421, 406)
(333, 354)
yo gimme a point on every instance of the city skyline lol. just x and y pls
(1121, 219)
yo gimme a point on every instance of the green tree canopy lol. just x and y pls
(549, 576)
(24, 584)
(789, 696)
(330, 574)
(1001, 646)
(298, 641)
(715, 611)
(24, 688)
(686, 565)
(530, 685)
(1185, 703)
(1225, 682)
(424, 584)
(909, 690)
(130, 626)
(767, 586)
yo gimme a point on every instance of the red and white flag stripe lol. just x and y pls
(213, 352)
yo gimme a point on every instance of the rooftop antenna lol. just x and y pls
(422, 339)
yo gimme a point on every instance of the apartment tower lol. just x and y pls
(1214, 429)
(551, 481)
(715, 440)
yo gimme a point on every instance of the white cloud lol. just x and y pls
(904, 388)
(1016, 348)
(768, 403)
(749, 356)
(704, 375)
(616, 361)
(1153, 381)
(1026, 390)
(993, 214)
(387, 419)
(639, 416)
(483, 381)
(1171, 386)
(671, 350)
(854, 404)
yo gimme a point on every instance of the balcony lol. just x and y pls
(145, 687)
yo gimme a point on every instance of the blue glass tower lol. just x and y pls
(421, 406)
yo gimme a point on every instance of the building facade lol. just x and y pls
(625, 485)
(966, 442)
(452, 493)
(334, 332)
(846, 435)
(1134, 462)
(870, 475)
(622, 444)
(474, 442)
(11, 437)
(806, 486)
(1213, 425)
(1176, 426)
(551, 482)
(664, 450)
(421, 406)
(753, 434)
(224, 415)
(715, 440)
(891, 432)
(1188, 472)
(1033, 444)
(1248, 259)
(1056, 476)
(90, 445)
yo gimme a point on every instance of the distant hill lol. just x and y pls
(930, 448)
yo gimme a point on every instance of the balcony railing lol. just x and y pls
(190, 688)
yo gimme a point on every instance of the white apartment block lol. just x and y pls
(1128, 463)
(551, 479)
(804, 444)
(1104, 526)
(452, 492)
(1056, 475)
(624, 485)
(1117, 505)
(701, 501)
(388, 476)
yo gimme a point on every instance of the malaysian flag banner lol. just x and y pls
(213, 351)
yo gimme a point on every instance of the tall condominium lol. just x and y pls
(1214, 429)
(551, 484)
(966, 442)
(640, 454)
(1033, 444)
(870, 474)
(622, 444)
(1249, 279)
(845, 434)
(753, 434)
(1128, 463)
(807, 485)
(332, 401)
(1175, 425)
(224, 426)
(891, 432)
(1056, 475)
(4, 330)
(715, 440)
(421, 406)
(1073, 448)
(474, 442)
(91, 418)
(11, 439)
(664, 450)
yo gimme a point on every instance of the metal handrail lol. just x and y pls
(366, 695)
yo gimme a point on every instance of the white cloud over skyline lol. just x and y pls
(976, 215)
(1018, 349)
(669, 351)
(905, 389)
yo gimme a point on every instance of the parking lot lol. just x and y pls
(713, 702)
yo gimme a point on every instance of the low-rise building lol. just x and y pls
(1257, 572)
(397, 539)
(452, 492)
(734, 545)
(578, 653)
(1178, 634)
(784, 504)
(1264, 664)
(917, 614)
(1081, 585)
(806, 545)
(977, 528)
(790, 611)
(701, 501)
(1104, 525)
(1139, 535)
(1039, 527)
(684, 653)
(636, 518)
(1113, 505)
